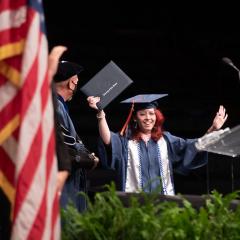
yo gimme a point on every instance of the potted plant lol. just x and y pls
(107, 218)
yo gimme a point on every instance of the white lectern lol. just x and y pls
(225, 142)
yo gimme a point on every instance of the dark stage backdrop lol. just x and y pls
(172, 50)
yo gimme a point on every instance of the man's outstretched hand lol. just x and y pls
(53, 60)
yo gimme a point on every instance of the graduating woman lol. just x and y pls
(142, 153)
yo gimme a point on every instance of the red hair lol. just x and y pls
(157, 130)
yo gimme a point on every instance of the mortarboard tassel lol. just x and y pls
(128, 120)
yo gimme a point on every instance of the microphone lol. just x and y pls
(229, 62)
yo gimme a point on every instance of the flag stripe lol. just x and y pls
(55, 234)
(11, 39)
(12, 18)
(44, 210)
(37, 229)
(30, 103)
(5, 5)
(25, 177)
(10, 148)
(32, 45)
(9, 111)
(50, 167)
(7, 166)
(8, 94)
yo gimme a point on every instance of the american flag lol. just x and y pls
(28, 165)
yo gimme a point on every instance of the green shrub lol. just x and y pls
(108, 219)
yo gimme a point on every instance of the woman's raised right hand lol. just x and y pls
(92, 101)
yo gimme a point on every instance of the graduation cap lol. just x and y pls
(144, 101)
(140, 102)
(66, 70)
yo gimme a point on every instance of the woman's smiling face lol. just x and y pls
(146, 119)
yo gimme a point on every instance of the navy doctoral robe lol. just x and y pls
(76, 182)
